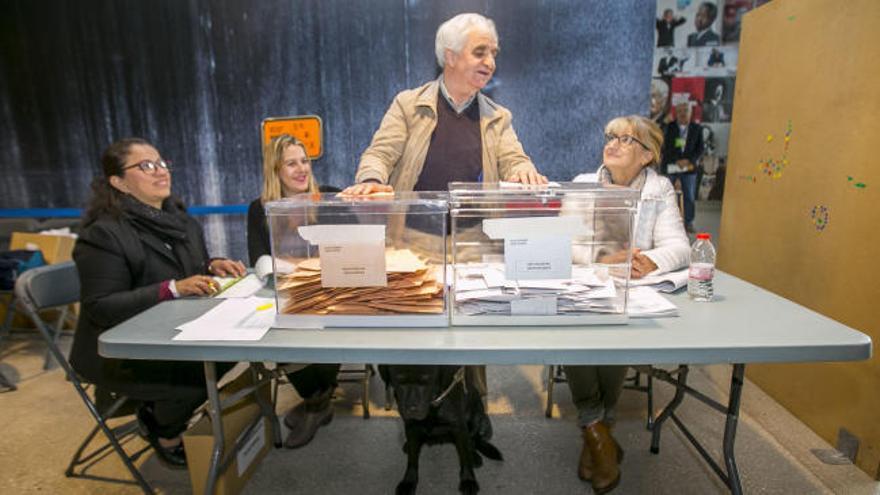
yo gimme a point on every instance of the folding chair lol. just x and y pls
(51, 286)
(556, 374)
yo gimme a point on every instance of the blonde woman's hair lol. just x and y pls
(643, 129)
(273, 160)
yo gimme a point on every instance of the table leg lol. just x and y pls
(680, 382)
(736, 386)
(215, 412)
(267, 408)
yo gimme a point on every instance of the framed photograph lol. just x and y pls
(718, 101)
(676, 20)
(689, 90)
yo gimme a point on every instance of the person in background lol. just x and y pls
(287, 171)
(683, 146)
(139, 247)
(704, 36)
(666, 28)
(446, 130)
(632, 148)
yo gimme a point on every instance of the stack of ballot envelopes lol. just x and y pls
(411, 286)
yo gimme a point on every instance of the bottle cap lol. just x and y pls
(704, 235)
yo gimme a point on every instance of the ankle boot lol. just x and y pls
(585, 463)
(305, 419)
(605, 456)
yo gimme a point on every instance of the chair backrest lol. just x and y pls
(48, 286)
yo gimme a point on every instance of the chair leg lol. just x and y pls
(551, 380)
(10, 314)
(59, 327)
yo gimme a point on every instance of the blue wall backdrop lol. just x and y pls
(197, 77)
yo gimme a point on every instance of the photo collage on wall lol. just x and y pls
(695, 60)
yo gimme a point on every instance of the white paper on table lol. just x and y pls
(243, 287)
(666, 282)
(233, 319)
(645, 302)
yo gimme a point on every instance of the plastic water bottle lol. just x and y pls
(702, 269)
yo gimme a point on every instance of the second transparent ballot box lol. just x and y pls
(371, 261)
(540, 255)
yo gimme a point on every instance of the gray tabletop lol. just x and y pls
(745, 324)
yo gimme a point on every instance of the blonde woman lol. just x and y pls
(632, 147)
(287, 171)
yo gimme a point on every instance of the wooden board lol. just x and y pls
(801, 213)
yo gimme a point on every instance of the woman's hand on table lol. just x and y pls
(223, 267)
(197, 285)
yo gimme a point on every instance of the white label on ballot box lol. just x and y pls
(534, 306)
(353, 265)
(536, 248)
(537, 258)
(351, 255)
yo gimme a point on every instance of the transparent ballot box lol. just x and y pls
(540, 255)
(359, 262)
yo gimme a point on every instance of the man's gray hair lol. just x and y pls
(452, 34)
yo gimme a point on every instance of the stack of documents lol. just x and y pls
(645, 302)
(234, 319)
(412, 286)
(233, 287)
(666, 282)
(482, 289)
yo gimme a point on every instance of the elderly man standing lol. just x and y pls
(446, 130)
(682, 148)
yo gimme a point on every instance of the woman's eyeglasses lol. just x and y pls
(625, 140)
(150, 167)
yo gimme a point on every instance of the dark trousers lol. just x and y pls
(595, 391)
(689, 193)
(314, 379)
(170, 403)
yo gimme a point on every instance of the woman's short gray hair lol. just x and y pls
(452, 34)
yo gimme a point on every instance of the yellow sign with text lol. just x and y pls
(306, 128)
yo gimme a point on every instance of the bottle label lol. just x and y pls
(701, 271)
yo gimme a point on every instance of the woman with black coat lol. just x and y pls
(139, 247)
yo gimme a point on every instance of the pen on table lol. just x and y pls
(264, 306)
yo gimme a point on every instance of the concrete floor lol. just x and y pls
(44, 421)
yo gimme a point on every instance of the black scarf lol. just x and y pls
(168, 224)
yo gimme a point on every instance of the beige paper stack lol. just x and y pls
(413, 286)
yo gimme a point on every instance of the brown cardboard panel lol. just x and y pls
(808, 231)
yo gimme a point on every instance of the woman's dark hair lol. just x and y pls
(105, 198)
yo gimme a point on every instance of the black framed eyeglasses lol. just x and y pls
(151, 167)
(625, 140)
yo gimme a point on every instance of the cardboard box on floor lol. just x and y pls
(55, 248)
(199, 441)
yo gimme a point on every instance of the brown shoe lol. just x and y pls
(305, 419)
(605, 456)
(585, 463)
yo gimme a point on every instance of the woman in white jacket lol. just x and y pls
(632, 147)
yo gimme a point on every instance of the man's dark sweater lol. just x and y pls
(456, 149)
